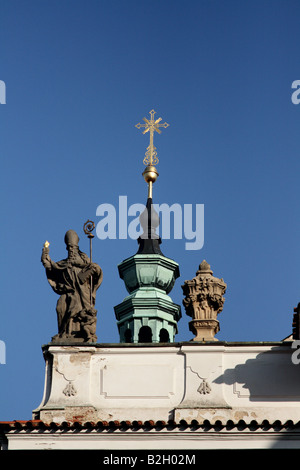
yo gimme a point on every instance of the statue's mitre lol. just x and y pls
(71, 238)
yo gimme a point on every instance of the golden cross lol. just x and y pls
(151, 126)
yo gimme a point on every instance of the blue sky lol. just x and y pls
(79, 75)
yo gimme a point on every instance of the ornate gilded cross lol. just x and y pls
(151, 126)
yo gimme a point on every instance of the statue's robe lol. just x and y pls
(71, 279)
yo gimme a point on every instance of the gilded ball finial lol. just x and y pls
(150, 174)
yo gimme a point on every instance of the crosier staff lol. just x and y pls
(88, 228)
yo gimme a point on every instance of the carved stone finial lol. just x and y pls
(203, 301)
(204, 268)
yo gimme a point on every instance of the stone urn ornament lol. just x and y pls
(203, 302)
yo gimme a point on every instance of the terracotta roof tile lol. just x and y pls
(240, 425)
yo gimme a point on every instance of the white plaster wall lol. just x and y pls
(182, 381)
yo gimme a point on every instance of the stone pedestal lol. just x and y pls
(202, 389)
(204, 330)
(111, 382)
